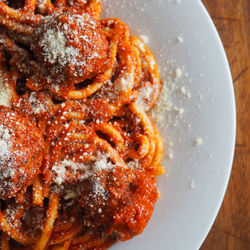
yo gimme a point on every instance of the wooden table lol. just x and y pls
(231, 229)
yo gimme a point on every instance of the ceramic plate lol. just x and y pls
(196, 118)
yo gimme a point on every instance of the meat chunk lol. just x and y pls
(21, 152)
(71, 46)
(119, 201)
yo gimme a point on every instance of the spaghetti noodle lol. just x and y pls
(79, 154)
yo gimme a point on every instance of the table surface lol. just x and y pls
(231, 229)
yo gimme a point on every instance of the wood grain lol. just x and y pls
(231, 230)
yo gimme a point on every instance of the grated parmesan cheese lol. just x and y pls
(121, 84)
(178, 110)
(191, 184)
(144, 38)
(177, 73)
(5, 144)
(124, 83)
(7, 172)
(54, 44)
(183, 90)
(179, 39)
(170, 155)
(99, 190)
(5, 95)
(163, 104)
(144, 95)
(198, 141)
(86, 170)
(36, 105)
(60, 172)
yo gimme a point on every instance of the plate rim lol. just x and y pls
(234, 125)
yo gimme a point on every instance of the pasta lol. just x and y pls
(79, 155)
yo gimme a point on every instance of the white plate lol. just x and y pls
(197, 176)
